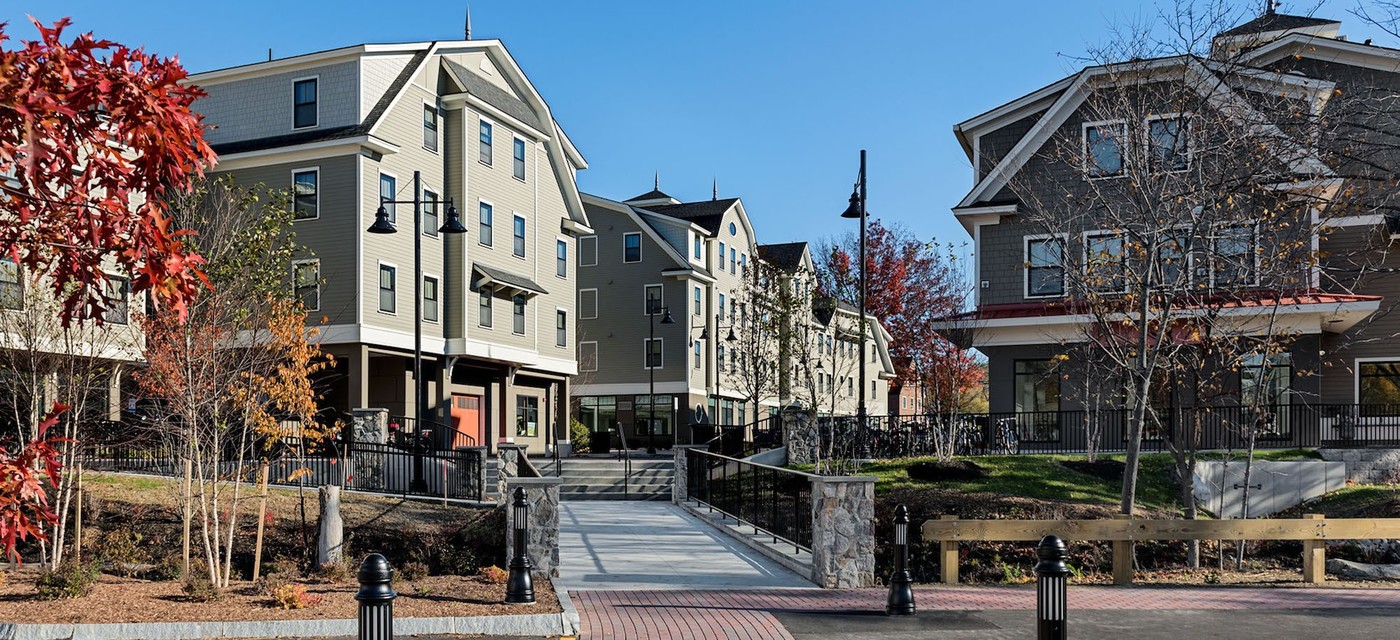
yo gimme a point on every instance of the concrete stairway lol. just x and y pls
(602, 479)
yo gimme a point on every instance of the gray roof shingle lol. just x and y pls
(709, 214)
(786, 256)
(509, 279)
(1276, 22)
(495, 96)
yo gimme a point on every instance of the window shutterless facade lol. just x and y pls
(305, 198)
(1378, 387)
(519, 167)
(304, 103)
(1037, 387)
(1045, 268)
(1104, 268)
(1168, 142)
(430, 213)
(1233, 257)
(483, 224)
(699, 247)
(696, 305)
(430, 299)
(388, 299)
(561, 258)
(653, 353)
(306, 276)
(430, 127)
(1103, 148)
(484, 148)
(651, 301)
(733, 260)
(118, 301)
(483, 307)
(387, 189)
(518, 314)
(561, 328)
(632, 247)
(518, 247)
(698, 356)
(11, 284)
(1173, 256)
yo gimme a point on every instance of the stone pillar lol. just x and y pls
(800, 435)
(679, 490)
(543, 536)
(508, 458)
(472, 475)
(368, 427)
(566, 420)
(843, 532)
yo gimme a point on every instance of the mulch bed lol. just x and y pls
(116, 599)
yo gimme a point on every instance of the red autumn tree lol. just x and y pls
(94, 138)
(910, 284)
(24, 504)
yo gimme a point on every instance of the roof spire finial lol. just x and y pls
(656, 181)
(714, 189)
(467, 28)
(1270, 7)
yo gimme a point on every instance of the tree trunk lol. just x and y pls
(330, 545)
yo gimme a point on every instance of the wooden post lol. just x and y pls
(948, 557)
(1123, 557)
(78, 514)
(188, 509)
(1315, 552)
(262, 516)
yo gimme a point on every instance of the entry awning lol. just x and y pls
(506, 281)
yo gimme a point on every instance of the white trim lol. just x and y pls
(490, 292)
(484, 108)
(479, 236)
(582, 307)
(1147, 140)
(316, 170)
(1327, 50)
(438, 212)
(1037, 100)
(624, 247)
(669, 387)
(1369, 220)
(524, 229)
(379, 200)
(524, 313)
(1026, 265)
(379, 273)
(581, 359)
(557, 311)
(1084, 253)
(660, 299)
(646, 354)
(480, 119)
(438, 139)
(593, 238)
(359, 239)
(1124, 150)
(437, 279)
(565, 240)
(1253, 248)
(310, 151)
(309, 127)
(1356, 372)
(524, 162)
(295, 286)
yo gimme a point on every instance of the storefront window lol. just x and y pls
(598, 413)
(660, 407)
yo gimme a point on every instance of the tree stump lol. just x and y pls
(330, 544)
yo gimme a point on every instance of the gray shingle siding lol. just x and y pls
(261, 107)
(994, 145)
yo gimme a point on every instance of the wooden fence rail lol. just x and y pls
(1313, 530)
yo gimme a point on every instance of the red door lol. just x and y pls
(466, 419)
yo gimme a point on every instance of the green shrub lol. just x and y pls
(123, 550)
(70, 580)
(578, 436)
(200, 589)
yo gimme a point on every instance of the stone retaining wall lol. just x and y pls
(543, 537)
(1366, 466)
(843, 531)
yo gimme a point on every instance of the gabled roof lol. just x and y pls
(654, 194)
(1276, 22)
(709, 214)
(493, 95)
(786, 256)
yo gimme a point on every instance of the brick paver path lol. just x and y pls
(744, 615)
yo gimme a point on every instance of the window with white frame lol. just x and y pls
(388, 299)
(720, 265)
(1168, 142)
(721, 305)
(1378, 387)
(698, 356)
(484, 148)
(118, 300)
(561, 328)
(483, 224)
(483, 307)
(387, 189)
(519, 167)
(1045, 267)
(518, 314)
(632, 247)
(587, 304)
(305, 199)
(588, 251)
(561, 258)
(654, 353)
(1173, 256)
(1233, 257)
(430, 213)
(733, 260)
(699, 247)
(11, 284)
(696, 304)
(430, 299)
(1103, 148)
(430, 127)
(518, 247)
(306, 276)
(651, 304)
(1104, 268)
(719, 357)
(304, 103)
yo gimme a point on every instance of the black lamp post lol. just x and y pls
(856, 210)
(520, 585)
(901, 599)
(382, 225)
(1051, 589)
(731, 339)
(656, 307)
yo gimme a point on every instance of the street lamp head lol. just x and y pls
(819, 366)
(731, 337)
(705, 333)
(454, 221)
(667, 319)
(853, 209)
(381, 222)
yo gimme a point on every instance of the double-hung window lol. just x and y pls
(11, 284)
(1103, 148)
(1168, 142)
(519, 167)
(733, 260)
(561, 258)
(483, 307)
(484, 149)
(695, 303)
(1104, 268)
(118, 300)
(518, 247)
(306, 275)
(719, 357)
(561, 328)
(1173, 249)
(721, 305)
(698, 356)
(654, 353)
(631, 247)
(430, 213)
(305, 201)
(388, 300)
(430, 127)
(483, 234)
(1232, 261)
(652, 301)
(518, 314)
(1045, 267)
(387, 189)
(304, 103)
(699, 247)
(430, 299)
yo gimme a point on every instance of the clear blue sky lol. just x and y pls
(772, 98)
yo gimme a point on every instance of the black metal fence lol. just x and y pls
(1106, 430)
(773, 500)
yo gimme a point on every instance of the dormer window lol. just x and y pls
(1103, 148)
(304, 103)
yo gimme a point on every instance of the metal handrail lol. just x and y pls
(758, 495)
(625, 455)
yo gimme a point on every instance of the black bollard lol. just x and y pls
(376, 599)
(901, 600)
(520, 586)
(1051, 589)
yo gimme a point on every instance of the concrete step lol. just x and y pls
(613, 493)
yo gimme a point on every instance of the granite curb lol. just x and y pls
(539, 624)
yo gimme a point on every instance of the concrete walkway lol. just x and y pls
(655, 545)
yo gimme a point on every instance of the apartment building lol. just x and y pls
(347, 130)
(1028, 310)
(718, 361)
